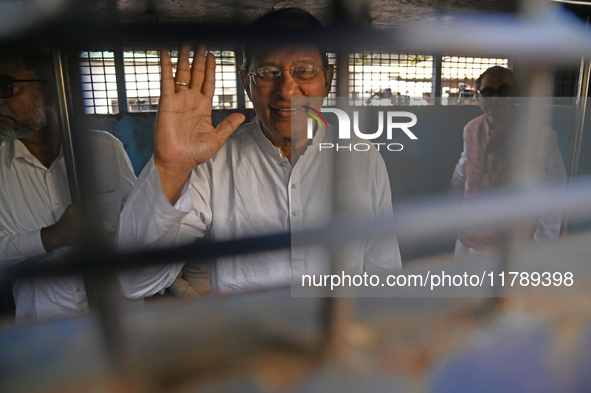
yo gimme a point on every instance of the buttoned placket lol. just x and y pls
(52, 180)
(490, 130)
(296, 209)
(79, 293)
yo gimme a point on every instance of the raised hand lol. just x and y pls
(184, 135)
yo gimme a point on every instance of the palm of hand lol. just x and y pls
(185, 133)
(184, 136)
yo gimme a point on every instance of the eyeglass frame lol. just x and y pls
(12, 81)
(291, 73)
(496, 91)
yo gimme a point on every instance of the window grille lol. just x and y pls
(142, 80)
(226, 79)
(385, 78)
(376, 78)
(99, 82)
(458, 78)
(565, 83)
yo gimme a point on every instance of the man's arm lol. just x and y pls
(458, 180)
(15, 248)
(158, 211)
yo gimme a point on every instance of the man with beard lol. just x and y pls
(36, 215)
(267, 177)
(486, 160)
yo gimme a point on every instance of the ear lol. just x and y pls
(328, 75)
(245, 80)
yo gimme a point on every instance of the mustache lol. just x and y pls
(7, 114)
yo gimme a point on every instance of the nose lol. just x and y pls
(287, 87)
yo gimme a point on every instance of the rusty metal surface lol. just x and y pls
(386, 14)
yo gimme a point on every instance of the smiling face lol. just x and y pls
(23, 113)
(272, 103)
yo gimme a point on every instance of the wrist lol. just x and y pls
(172, 180)
(49, 239)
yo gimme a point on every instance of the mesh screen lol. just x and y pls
(459, 75)
(385, 78)
(99, 82)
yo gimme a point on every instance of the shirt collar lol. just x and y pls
(266, 144)
(13, 148)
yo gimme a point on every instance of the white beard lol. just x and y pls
(32, 120)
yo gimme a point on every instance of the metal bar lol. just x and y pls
(413, 223)
(64, 125)
(240, 96)
(343, 74)
(436, 86)
(120, 77)
(577, 138)
(339, 312)
(100, 283)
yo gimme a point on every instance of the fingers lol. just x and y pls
(198, 68)
(209, 84)
(183, 70)
(166, 80)
(229, 125)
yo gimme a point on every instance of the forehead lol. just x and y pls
(14, 68)
(496, 79)
(286, 56)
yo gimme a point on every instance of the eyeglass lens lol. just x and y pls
(502, 91)
(5, 88)
(300, 75)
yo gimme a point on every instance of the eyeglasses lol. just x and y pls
(267, 76)
(6, 89)
(502, 91)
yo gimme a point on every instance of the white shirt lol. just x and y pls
(248, 189)
(33, 197)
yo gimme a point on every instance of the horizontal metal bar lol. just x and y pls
(412, 222)
(552, 36)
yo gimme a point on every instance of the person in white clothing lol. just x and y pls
(36, 215)
(265, 178)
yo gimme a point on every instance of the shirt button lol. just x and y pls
(283, 163)
(294, 186)
(77, 289)
(49, 173)
(57, 202)
(296, 213)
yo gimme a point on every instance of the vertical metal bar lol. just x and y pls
(120, 78)
(64, 125)
(339, 311)
(436, 88)
(577, 138)
(240, 97)
(101, 289)
(343, 75)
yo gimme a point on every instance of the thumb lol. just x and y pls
(229, 125)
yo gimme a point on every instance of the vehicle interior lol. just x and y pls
(421, 57)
